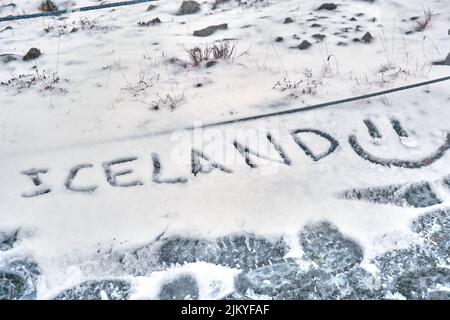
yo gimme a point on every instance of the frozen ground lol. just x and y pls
(101, 198)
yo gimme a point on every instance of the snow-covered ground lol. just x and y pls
(100, 182)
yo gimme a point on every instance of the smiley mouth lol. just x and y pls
(409, 164)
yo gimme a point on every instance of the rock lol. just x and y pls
(288, 20)
(7, 240)
(211, 63)
(218, 3)
(396, 263)
(356, 40)
(367, 37)
(47, 6)
(279, 39)
(418, 195)
(342, 44)
(328, 6)
(434, 227)
(97, 290)
(6, 28)
(439, 295)
(327, 247)
(183, 288)
(188, 7)
(149, 23)
(12, 5)
(447, 60)
(151, 7)
(423, 284)
(238, 251)
(33, 53)
(286, 281)
(270, 280)
(319, 36)
(22, 274)
(210, 30)
(304, 45)
(353, 19)
(7, 57)
(12, 286)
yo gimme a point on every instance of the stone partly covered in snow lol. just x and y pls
(8, 57)
(238, 251)
(423, 284)
(304, 45)
(210, 30)
(287, 281)
(188, 7)
(397, 263)
(18, 279)
(182, 288)
(47, 6)
(418, 195)
(445, 62)
(97, 290)
(270, 280)
(367, 37)
(328, 6)
(33, 53)
(12, 286)
(328, 248)
(434, 227)
(7, 240)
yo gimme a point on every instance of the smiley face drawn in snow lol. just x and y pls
(409, 164)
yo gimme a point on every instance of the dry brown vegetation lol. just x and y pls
(224, 50)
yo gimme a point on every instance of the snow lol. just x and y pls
(100, 111)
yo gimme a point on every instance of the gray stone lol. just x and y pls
(33, 53)
(183, 288)
(211, 63)
(286, 281)
(21, 271)
(97, 290)
(434, 227)
(7, 240)
(319, 36)
(328, 6)
(210, 30)
(12, 286)
(47, 6)
(6, 28)
(423, 284)
(7, 57)
(288, 20)
(395, 263)
(304, 45)
(188, 7)
(327, 247)
(447, 60)
(367, 37)
(239, 251)
(269, 280)
(418, 195)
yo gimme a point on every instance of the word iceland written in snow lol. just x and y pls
(201, 163)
